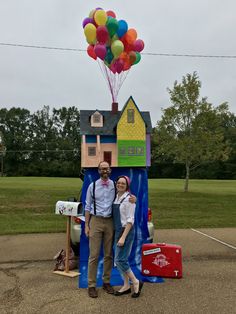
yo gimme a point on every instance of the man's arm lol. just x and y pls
(88, 203)
(87, 218)
(132, 199)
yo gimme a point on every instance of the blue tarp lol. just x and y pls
(139, 187)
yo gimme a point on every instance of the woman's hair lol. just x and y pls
(127, 180)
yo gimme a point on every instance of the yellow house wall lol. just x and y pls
(131, 131)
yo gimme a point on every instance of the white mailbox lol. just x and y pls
(69, 208)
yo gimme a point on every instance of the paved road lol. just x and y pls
(28, 285)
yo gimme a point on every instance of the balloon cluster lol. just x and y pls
(111, 41)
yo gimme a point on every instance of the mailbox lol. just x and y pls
(69, 208)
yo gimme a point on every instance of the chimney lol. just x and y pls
(114, 108)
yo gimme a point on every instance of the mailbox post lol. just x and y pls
(69, 209)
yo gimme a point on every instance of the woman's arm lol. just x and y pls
(124, 234)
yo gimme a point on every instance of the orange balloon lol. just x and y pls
(131, 36)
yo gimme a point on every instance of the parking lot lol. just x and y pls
(28, 284)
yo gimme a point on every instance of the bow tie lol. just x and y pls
(105, 183)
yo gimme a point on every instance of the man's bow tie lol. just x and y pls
(105, 183)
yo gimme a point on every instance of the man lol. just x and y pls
(99, 227)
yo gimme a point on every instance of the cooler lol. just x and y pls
(162, 259)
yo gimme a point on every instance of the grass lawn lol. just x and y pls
(27, 204)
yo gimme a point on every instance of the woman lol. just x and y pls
(123, 218)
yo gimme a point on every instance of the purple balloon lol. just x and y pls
(100, 51)
(86, 21)
(138, 45)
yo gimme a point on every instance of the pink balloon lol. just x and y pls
(100, 51)
(138, 45)
(102, 34)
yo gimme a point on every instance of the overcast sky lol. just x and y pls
(31, 78)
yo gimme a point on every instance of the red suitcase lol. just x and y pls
(161, 259)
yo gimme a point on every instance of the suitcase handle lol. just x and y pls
(161, 244)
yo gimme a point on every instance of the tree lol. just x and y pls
(14, 125)
(2, 151)
(190, 131)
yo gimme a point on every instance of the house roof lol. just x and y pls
(110, 121)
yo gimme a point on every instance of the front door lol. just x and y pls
(107, 157)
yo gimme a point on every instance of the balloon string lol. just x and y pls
(105, 74)
(114, 81)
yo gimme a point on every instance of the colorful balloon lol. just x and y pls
(100, 51)
(122, 28)
(117, 48)
(132, 57)
(91, 53)
(111, 14)
(86, 21)
(100, 17)
(91, 13)
(138, 58)
(90, 32)
(112, 26)
(131, 36)
(102, 34)
(138, 45)
(114, 45)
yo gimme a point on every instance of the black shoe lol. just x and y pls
(108, 288)
(118, 293)
(136, 294)
(92, 292)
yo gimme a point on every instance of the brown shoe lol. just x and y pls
(108, 288)
(92, 292)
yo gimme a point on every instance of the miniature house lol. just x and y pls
(122, 138)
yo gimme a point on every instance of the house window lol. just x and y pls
(96, 118)
(131, 150)
(139, 151)
(122, 151)
(130, 115)
(91, 151)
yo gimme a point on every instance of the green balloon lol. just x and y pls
(112, 26)
(138, 58)
(117, 48)
(109, 56)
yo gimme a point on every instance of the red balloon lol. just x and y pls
(111, 13)
(127, 66)
(90, 52)
(102, 34)
(119, 65)
(132, 57)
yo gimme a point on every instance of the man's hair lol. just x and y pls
(102, 162)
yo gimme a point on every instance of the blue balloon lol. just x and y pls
(122, 28)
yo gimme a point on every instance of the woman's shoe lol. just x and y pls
(118, 293)
(136, 294)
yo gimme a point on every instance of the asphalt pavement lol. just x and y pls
(28, 284)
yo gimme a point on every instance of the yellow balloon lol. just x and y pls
(100, 17)
(91, 13)
(90, 32)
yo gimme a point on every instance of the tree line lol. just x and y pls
(193, 139)
(42, 143)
